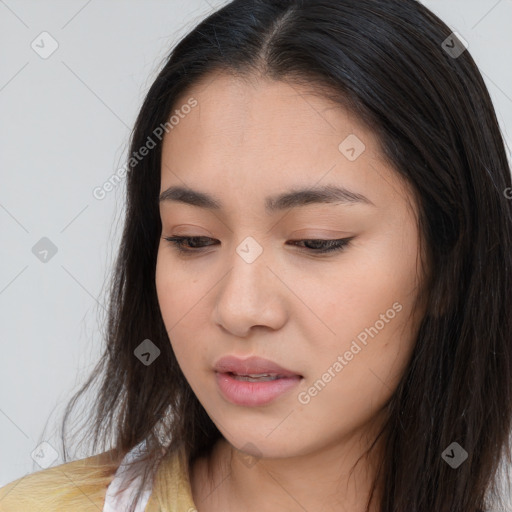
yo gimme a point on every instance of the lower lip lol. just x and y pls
(252, 394)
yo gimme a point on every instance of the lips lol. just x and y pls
(252, 366)
(253, 382)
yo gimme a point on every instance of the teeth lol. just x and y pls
(256, 377)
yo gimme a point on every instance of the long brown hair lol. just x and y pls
(386, 60)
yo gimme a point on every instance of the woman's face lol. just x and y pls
(343, 322)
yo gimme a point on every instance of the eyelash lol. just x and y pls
(329, 245)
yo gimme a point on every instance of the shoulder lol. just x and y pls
(80, 485)
(172, 484)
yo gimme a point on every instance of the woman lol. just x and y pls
(311, 303)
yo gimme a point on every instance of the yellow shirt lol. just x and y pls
(54, 490)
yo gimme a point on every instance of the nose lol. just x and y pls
(250, 295)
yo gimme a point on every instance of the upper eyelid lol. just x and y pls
(295, 239)
(172, 239)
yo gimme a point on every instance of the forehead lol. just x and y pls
(255, 137)
(257, 109)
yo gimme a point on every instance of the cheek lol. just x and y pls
(350, 297)
(381, 280)
(340, 396)
(365, 310)
(178, 290)
(179, 300)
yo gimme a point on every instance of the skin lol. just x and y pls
(244, 141)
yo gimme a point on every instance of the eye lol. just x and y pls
(191, 241)
(325, 246)
(194, 244)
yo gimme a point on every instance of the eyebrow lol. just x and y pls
(328, 194)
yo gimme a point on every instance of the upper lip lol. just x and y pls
(250, 366)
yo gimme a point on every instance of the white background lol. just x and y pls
(65, 126)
